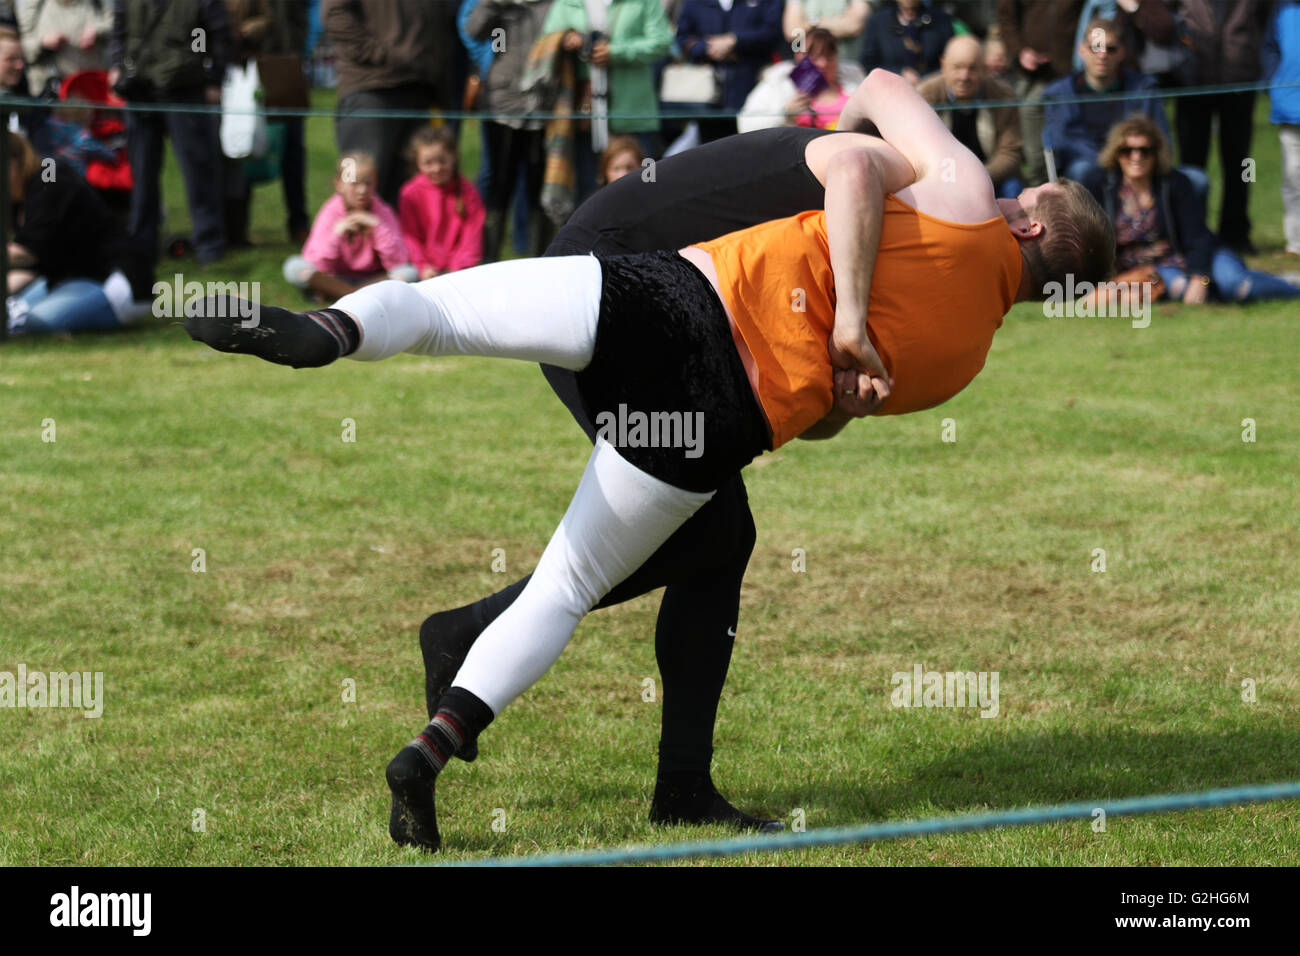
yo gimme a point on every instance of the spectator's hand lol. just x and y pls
(113, 76)
(89, 37)
(1031, 60)
(721, 46)
(572, 41)
(52, 41)
(212, 94)
(600, 52)
(429, 272)
(1195, 292)
(357, 221)
(911, 75)
(800, 104)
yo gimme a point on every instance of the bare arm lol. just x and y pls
(851, 22)
(858, 171)
(856, 183)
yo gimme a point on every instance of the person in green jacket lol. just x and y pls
(619, 55)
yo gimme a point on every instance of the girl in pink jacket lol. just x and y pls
(355, 240)
(440, 210)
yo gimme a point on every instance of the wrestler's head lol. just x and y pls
(1062, 230)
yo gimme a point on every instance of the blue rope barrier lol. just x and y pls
(872, 832)
(8, 101)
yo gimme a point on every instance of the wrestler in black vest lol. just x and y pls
(698, 195)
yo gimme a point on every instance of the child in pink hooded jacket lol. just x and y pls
(440, 210)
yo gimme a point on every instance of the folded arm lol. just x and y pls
(922, 159)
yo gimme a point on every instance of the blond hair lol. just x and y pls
(1135, 124)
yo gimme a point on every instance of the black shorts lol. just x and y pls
(666, 385)
(697, 195)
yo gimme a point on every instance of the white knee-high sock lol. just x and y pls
(537, 310)
(618, 517)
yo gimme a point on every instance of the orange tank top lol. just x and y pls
(938, 293)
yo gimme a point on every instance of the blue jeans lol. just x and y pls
(1009, 188)
(1077, 169)
(1200, 181)
(1231, 281)
(75, 305)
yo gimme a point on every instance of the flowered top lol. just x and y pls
(1138, 237)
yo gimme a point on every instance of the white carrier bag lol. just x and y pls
(243, 124)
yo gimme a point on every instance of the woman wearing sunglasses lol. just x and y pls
(1160, 224)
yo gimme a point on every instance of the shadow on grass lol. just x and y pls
(1054, 767)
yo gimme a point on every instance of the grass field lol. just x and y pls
(224, 689)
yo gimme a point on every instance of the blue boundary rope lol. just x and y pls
(871, 832)
(8, 101)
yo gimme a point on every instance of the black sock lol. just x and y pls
(339, 325)
(460, 717)
(298, 339)
(413, 772)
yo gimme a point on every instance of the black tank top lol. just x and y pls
(699, 194)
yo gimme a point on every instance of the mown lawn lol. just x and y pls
(225, 688)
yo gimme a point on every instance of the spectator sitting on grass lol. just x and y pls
(65, 138)
(439, 209)
(355, 240)
(70, 267)
(1160, 226)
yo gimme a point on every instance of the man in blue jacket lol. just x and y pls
(1076, 131)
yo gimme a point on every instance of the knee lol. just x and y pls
(297, 271)
(1078, 169)
(735, 533)
(746, 536)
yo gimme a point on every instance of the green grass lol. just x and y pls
(224, 688)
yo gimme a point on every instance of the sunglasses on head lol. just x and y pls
(1140, 150)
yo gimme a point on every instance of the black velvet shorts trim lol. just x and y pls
(666, 385)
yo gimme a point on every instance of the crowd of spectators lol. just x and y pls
(631, 80)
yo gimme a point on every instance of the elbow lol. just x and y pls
(879, 76)
(859, 173)
(854, 167)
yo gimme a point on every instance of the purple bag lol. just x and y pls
(807, 78)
